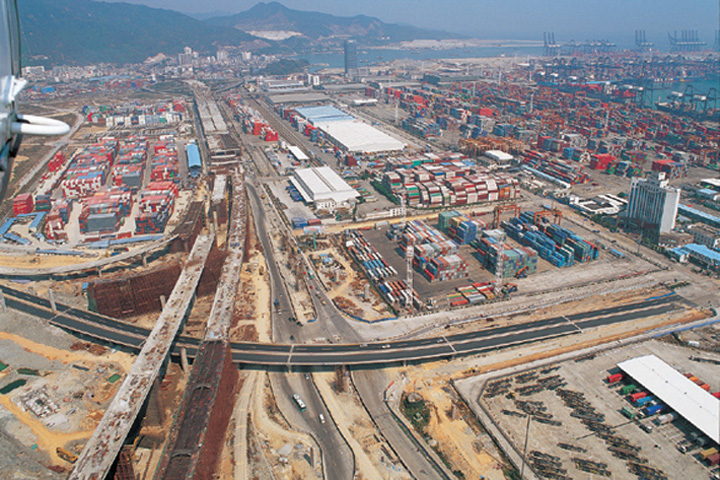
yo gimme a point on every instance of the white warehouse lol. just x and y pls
(323, 187)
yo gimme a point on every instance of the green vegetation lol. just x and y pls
(417, 413)
(285, 67)
(380, 188)
(677, 285)
(83, 31)
(606, 221)
(510, 473)
(314, 25)
(12, 386)
(3, 366)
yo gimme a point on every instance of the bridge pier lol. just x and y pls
(3, 307)
(144, 260)
(162, 301)
(184, 360)
(51, 298)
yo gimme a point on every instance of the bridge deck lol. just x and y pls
(106, 441)
(218, 324)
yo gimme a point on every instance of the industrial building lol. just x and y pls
(653, 204)
(698, 254)
(193, 159)
(705, 235)
(348, 133)
(600, 205)
(298, 154)
(699, 216)
(323, 188)
(678, 392)
(499, 157)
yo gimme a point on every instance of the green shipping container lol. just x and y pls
(628, 389)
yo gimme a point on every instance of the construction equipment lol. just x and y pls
(499, 210)
(554, 212)
(522, 273)
(66, 455)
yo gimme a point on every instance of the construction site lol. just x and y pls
(191, 306)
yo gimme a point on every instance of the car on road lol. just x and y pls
(387, 345)
(321, 417)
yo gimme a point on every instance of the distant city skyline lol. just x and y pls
(522, 19)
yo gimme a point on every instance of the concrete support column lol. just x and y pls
(162, 301)
(144, 260)
(51, 297)
(184, 360)
(3, 307)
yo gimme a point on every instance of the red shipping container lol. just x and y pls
(614, 378)
(23, 203)
(637, 396)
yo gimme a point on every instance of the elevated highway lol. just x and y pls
(108, 330)
(102, 448)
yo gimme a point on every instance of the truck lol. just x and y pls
(637, 396)
(667, 418)
(628, 412)
(66, 455)
(628, 389)
(298, 401)
(653, 409)
(708, 452)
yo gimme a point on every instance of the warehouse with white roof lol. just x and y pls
(348, 133)
(679, 393)
(324, 188)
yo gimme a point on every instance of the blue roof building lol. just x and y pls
(700, 254)
(193, 156)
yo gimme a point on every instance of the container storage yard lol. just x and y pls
(113, 188)
(583, 423)
(466, 219)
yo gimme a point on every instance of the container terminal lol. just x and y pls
(482, 212)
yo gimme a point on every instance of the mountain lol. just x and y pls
(275, 17)
(83, 31)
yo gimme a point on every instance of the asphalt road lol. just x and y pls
(338, 460)
(371, 385)
(113, 331)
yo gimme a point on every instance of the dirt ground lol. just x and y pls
(273, 433)
(72, 429)
(252, 321)
(349, 292)
(458, 434)
(373, 457)
(154, 432)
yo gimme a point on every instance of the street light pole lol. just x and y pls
(527, 432)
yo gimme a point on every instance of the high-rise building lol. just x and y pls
(351, 61)
(653, 205)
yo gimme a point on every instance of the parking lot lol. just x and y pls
(576, 428)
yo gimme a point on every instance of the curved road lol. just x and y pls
(109, 330)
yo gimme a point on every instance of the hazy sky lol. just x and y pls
(569, 19)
